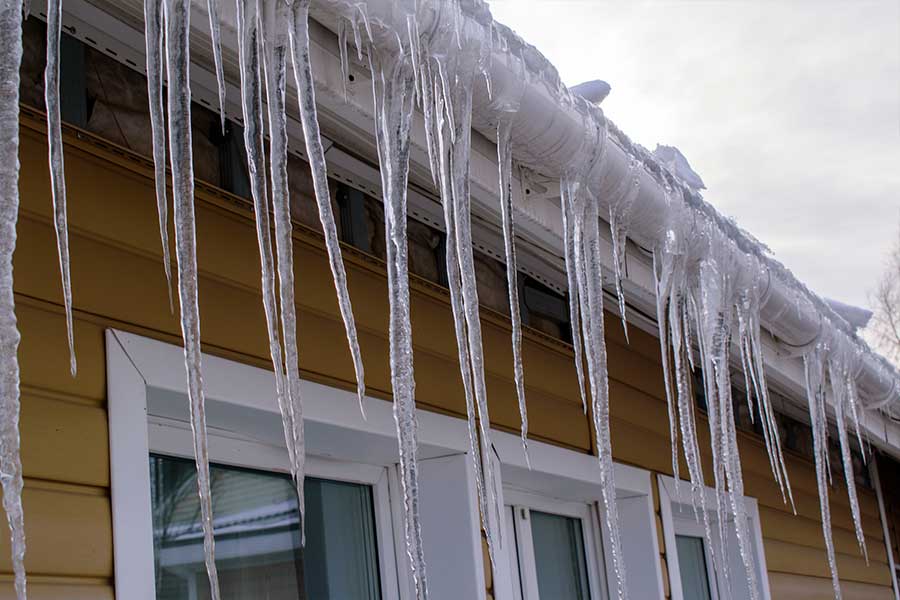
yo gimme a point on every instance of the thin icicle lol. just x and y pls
(299, 36)
(154, 37)
(177, 18)
(619, 213)
(215, 33)
(393, 85)
(249, 50)
(57, 167)
(10, 460)
(276, 21)
(504, 162)
(815, 392)
(345, 62)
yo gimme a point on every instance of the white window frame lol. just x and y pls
(524, 570)
(677, 514)
(244, 430)
(566, 482)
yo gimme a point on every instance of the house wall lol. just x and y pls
(118, 282)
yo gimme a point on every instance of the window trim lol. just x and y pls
(669, 500)
(561, 477)
(340, 444)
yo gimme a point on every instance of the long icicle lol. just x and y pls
(275, 37)
(215, 34)
(815, 392)
(456, 303)
(10, 460)
(504, 162)
(299, 36)
(154, 37)
(568, 227)
(57, 165)
(178, 27)
(249, 50)
(393, 86)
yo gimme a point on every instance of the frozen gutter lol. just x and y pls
(549, 130)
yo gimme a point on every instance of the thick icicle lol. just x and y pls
(275, 23)
(393, 83)
(57, 168)
(587, 260)
(249, 50)
(10, 461)
(215, 34)
(815, 392)
(153, 37)
(842, 384)
(299, 36)
(504, 162)
(454, 144)
(177, 18)
(568, 227)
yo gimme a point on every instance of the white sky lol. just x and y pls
(789, 110)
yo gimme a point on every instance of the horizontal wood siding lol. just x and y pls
(118, 282)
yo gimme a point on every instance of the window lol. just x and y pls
(555, 551)
(355, 542)
(553, 532)
(257, 525)
(691, 572)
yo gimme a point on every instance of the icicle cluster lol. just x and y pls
(709, 274)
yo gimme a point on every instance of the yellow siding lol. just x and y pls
(118, 282)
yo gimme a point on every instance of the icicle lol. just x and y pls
(249, 49)
(215, 33)
(299, 35)
(345, 63)
(177, 17)
(153, 36)
(454, 162)
(504, 162)
(841, 384)
(393, 89)
(10, 461)
(459, 322)
(57, 168)
(588, 260)
(276, 22)
(815, 392)
(619, 212)
(568, 226)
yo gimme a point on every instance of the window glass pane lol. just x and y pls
(258, 552)
(559, 557)
(692, 565)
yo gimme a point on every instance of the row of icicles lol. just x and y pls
(700, 289)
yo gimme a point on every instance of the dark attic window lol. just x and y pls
(354, 220)
(544, 309)
(232, 158)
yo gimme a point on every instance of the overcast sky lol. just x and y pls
(789, 110)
